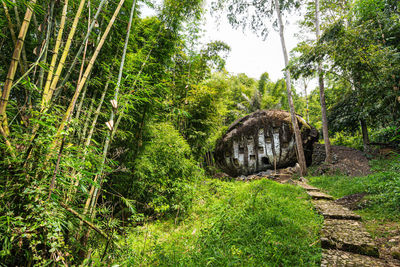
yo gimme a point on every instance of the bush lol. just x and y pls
(162, 172)
(348, 140)
(390, 134)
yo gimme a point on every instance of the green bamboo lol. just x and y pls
(116, 95)
(65, 53)
(55, 55)
(49, 28)
(24, 60)
(71, 106)
(5, 94)
(100, 7)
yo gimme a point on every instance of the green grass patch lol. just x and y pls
(261, 223)
(382, 188)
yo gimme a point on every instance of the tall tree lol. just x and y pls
(299, 141)
(328, 150)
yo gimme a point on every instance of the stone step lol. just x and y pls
(307, 186)
(331, 257)
(319, 195)
(348, 235)
(331, 210)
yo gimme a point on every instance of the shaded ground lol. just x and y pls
(346, 161)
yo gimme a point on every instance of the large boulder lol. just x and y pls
(262, 140)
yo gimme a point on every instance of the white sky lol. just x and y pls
(249, 53)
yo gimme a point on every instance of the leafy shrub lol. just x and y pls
(390, 134)
(35, 230)
(348, 140)
(162, 171)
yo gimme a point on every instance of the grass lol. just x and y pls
(382, 188)
(261, 223)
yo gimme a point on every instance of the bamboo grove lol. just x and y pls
(68, 73)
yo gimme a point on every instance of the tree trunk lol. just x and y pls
(365, 136)
(299, 142)
(13, 68)
(307, 105)
(328, 149)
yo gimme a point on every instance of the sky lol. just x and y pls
(249, 53)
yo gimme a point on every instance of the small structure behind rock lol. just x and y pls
(262, 140)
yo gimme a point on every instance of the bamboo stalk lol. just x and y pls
(86, 74)
(24, 64)
(96, 115)
(55, 55)
(80, 217)
(49, 28)
(88, 116)
(116, 94)
(12, 30)
(89, 137)
(30, 69)
(64, 54)
(126, 103)
(10, 24)
(78, 111)
(84, 51)
(5, 94)
(100, 7)
(53, 179)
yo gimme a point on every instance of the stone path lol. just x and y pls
(344, 240)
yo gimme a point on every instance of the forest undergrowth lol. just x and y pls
(230, 224)
(258, 223)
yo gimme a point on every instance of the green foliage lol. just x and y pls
(346, 139)
(389, 134)
(275, 96)
(34, 228)
(171, 110)
(382, 188)
(257, 16)
(161, 174)
(204, 110)
(359, 52)
(233, 223)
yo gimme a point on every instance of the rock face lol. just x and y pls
(261, 140)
